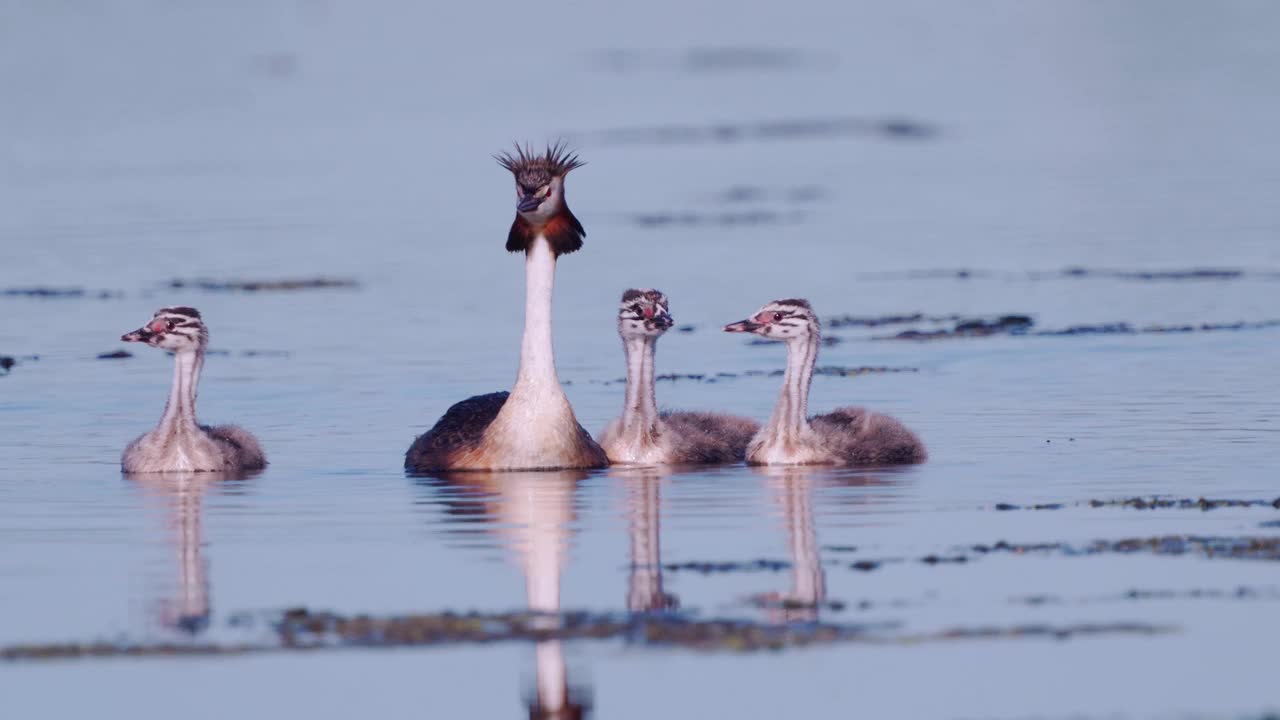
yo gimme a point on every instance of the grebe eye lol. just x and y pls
(172, 324)
(636, 309)
(777, 316)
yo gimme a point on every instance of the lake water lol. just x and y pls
(878, 159)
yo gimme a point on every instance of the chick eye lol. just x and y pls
(777, 316)
(636, 309)
(172, 324)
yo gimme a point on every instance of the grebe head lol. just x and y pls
(643, 313)
(178, 329)
(791, 319)
(539, 180)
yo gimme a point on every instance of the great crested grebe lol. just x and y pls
(532, 427)
(844, 436)
(645, 436)
(179, 443)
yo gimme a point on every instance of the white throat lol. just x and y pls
(640, 415)
(789, 420)
(537, 357)
(180, 411)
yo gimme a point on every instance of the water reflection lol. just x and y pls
(184, 604)
(531, 513)
(644, 587)
(793, 490)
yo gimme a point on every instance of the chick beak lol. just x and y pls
(743, 326)
(663, 321)
(139, 335)
(529, 203)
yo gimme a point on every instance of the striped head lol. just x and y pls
(540, 202)
(178, 329)
(791, 319)
(643, 313)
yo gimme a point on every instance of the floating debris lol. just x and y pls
(1182, 274)
(837, 370)
(6, 364)
(1151, 503)
(301, 629)
(115, 355)
(973, 327)
(318, 283)
(686, 328)
(55, 293)
(657, 220)
(1022, 326)
(789, 129)
(1242, 592)
(708, 568)
(1243, 548)
(840, 321)
(827, 341)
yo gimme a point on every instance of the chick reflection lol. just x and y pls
(792, 488)
(184, 606)
(644, 589)
(531, 512)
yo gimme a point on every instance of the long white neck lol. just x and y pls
(789, 417)
(537, 359)
(641, 411)
(180, 411)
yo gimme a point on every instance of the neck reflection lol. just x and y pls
(184, 605)
(532, 513)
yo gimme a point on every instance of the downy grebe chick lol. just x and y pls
(642, 434)
(532, 427)
(179, 443)
(845, 436)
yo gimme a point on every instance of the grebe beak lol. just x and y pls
(139, 335)
(528, 204)
(663, 321)
(743, 326)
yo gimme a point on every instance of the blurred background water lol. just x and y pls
(876, 158)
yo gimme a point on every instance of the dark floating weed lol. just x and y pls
(836, 370)
(744, 218)
(317, 283)
(1181, 274)
(708, 568)
(840, 321)
(1242, 592)
(1023, 326)
(1244, 548)
(301, 629)
(56, 293)
(769, 130)
(1151, 503)
(6, 364)
(827, 341)
(115, 355)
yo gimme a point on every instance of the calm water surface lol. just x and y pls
(736, 154)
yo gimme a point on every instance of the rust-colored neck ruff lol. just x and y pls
(563, 233)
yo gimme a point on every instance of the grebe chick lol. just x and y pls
(845, 436)
(179, 443)
(642, 434)
(532, 427)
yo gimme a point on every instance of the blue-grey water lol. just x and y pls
(879, 159)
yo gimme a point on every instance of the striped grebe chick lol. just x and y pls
(532, 427)
(645, 436)
(180, 443)
(844, 436)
